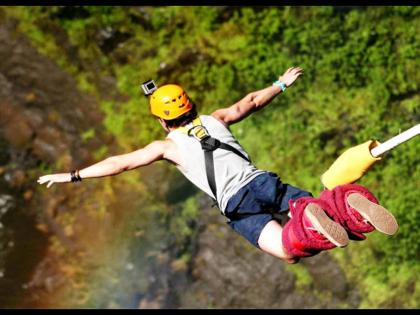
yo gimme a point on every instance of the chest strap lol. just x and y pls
(208, 144)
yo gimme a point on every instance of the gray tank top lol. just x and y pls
(231, 171)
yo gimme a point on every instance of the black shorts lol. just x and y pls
(254, 205)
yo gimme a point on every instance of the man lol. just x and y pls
(205, 151)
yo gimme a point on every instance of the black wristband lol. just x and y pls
(78, 176)
(75, 177)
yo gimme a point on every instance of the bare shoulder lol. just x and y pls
(157, 146)
(166, 144)
(170, 153)
(160, 146)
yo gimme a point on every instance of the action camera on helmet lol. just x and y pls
(149, 87)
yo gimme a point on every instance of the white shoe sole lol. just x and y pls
(330, 229)
(381, 219)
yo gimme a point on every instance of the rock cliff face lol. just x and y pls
(42, 114)
(228, 272)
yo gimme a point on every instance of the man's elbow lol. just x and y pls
(116, 164)
(257, 103)
(252, 101)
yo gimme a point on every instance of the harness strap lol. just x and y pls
(209, 144)
(228, 147)
(209, 162)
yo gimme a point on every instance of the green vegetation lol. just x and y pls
(361, 81)
(304, 279)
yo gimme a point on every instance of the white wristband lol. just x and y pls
(281, 85)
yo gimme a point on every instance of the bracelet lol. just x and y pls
(78, 176)
(281, 85)
(75, 177)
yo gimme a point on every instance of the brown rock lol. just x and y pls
(145, 304)
(19, 178)
(68, 230)
(31, 97)
(18, 132)
(28, 194)
(42, 227)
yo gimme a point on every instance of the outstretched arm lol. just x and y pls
(256, 100)
(114, 164)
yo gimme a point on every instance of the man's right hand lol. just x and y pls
(54, 178)
(291, 75)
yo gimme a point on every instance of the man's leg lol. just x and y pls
(270, 241)
(309, 231)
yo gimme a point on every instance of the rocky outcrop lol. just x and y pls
(42, 114)
(228, 272)
(43, 111)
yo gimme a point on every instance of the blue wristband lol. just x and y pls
(281, 85)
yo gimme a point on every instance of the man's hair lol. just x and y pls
(184, 119)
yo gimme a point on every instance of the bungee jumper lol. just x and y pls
(276, 217)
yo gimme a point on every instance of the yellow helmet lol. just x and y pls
(169, 102)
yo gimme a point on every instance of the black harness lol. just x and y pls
(209, 144)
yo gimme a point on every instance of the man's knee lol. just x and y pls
(270, 241)
(293, 260)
